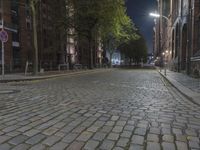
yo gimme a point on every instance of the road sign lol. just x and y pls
(3, 36)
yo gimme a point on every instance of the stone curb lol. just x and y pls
(52, 76)
(188, 93)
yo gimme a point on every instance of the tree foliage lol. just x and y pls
(117, 27)
(106, 19)
(88, 19)
(135, 50)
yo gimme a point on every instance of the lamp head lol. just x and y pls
(154, 15)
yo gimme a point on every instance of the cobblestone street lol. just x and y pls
(113, 109)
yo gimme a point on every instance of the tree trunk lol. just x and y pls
(33, 9)
(90, 53)
(110, 64)
(130, 61)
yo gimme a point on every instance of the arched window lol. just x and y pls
(177, 40)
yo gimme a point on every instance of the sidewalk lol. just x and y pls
(188, 86)
(47, 75)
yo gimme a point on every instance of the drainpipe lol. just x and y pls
(159, 35)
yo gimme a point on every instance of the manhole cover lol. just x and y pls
(8, 91)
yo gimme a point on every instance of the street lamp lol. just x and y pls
(165, 54)
(156, 15)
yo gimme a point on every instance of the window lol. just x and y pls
(15, 37)
(16, 57)
(28, 25)
(14, 5)
(14, 12)
(177, 40)
(198, 34)
(28, 14)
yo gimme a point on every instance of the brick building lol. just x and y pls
(195, 43)
(57, 43)
(18, 49)
(51, 39)
(178, 33)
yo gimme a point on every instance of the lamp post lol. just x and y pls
(156, 15)
(165, 54)
(2, 43)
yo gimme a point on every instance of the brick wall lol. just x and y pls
(48, 44)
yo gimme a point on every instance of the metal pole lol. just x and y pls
(3, 68)
(165, 64)
(2, 43)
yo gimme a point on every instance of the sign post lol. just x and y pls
(4, 39)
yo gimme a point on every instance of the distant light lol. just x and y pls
(163, 53)
(166, 52)
(154, 15)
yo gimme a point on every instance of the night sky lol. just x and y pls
(139, 11)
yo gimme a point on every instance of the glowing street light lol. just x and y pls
(165, 54)
(155, 15)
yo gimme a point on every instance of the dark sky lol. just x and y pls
(139, 11)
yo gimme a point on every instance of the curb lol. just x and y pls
(189, 94)
(53, 76)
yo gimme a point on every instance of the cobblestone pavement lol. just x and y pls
(120, 109)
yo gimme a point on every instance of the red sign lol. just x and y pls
(3, 36)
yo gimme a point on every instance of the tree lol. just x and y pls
(84, 20)
(33, 6)
(105, 18)
(59, 27)
(135, 50)
(141, 50)
(120, 28)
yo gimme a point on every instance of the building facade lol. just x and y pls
(17, 23)
(52, 49)
(58, 43)
(177, 35)
(195, 43)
